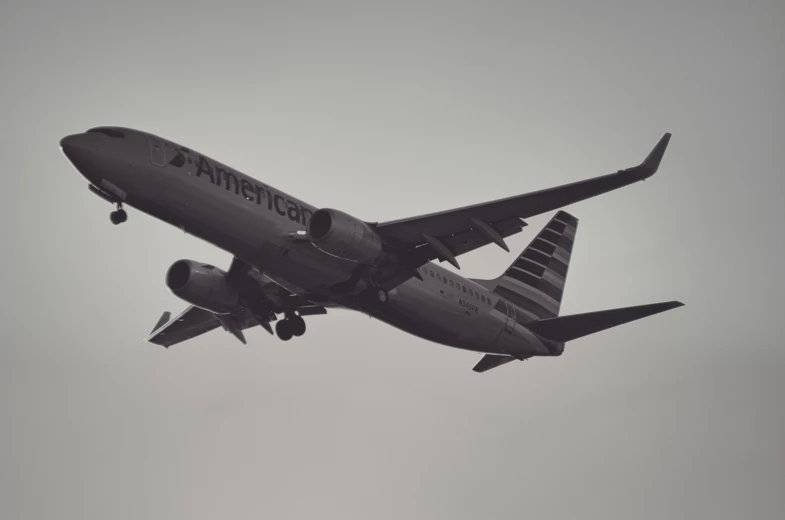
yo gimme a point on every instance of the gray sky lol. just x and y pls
(388, 111)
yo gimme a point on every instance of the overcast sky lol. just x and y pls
(386, 111)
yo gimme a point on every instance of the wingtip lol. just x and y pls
(163, 320)
(652, 161)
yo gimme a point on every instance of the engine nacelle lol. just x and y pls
(203, 286)
(344, 236)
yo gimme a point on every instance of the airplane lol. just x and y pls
(292, 260)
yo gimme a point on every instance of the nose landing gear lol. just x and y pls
(119, 216)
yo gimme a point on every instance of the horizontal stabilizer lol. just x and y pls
(490, 361)
(567, 328)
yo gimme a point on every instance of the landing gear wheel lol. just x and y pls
(297, 325)
(118, 217)
(283, 329)
(381, 295)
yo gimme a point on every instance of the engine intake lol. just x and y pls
(344, 236)
(203, 286)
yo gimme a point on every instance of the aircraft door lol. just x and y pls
(157, 151)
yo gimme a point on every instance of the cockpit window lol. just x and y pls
(178, 160)
(116, 134)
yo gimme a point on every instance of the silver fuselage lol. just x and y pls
(260, 224)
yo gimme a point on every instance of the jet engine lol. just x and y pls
(203, 286)
(344, 236)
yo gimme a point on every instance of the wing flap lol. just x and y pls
(459, 243)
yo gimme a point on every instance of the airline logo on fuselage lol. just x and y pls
(253, 192)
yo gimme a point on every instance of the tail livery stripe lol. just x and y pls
(535, 256)
(550, 236)
(542, 268)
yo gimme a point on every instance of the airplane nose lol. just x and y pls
(71, 146)
(69, 140)
(80, 152)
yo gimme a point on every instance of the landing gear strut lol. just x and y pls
(291, 326)
(119, 216)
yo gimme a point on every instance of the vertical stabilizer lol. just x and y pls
(534, 283)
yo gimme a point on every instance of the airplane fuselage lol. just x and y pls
(265, 228)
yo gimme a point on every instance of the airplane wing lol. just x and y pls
(447, 234)
(194, 321)
(261, 302)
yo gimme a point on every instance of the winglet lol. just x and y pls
(652, 161)
(162, 321)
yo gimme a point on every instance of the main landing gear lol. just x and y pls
(290, 326)
(119, 216)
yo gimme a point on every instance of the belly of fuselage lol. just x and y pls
(424, 311)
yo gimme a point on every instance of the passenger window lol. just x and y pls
(438, 278)
(452, 284)
(471, 293)
(464, 288)
(483, 298)
(478, 296)
(431, 274)
(445, 281)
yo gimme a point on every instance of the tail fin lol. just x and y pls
(534, 283)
